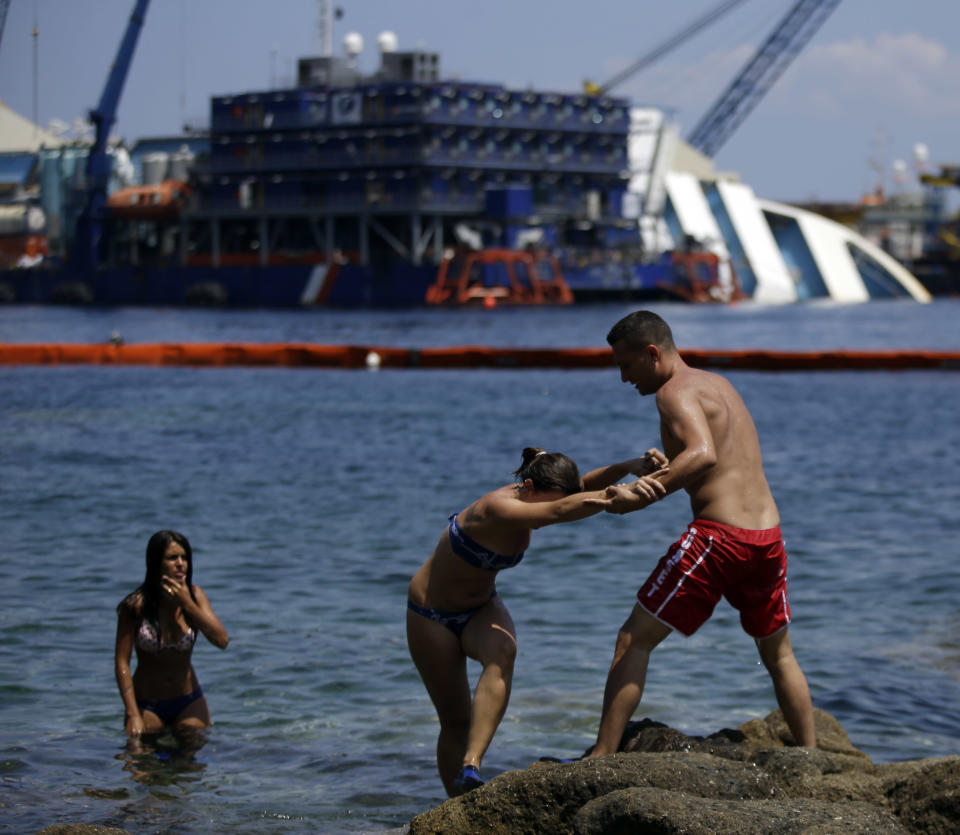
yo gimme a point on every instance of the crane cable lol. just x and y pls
(675, 40)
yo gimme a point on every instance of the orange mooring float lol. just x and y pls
(307, 355)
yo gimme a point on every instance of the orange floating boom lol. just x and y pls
(217, 355)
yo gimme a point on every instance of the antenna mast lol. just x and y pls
(325, 28)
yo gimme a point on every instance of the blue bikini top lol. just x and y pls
(471, 551)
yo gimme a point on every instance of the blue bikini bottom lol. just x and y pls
(169, 709)
(456, 622)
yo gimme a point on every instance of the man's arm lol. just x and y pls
(603, 477)
(683, 417)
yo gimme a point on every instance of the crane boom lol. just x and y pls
(760, 73)
(662, 49)
(4, 5)
(98, 161)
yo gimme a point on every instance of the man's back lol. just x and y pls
(699, 408)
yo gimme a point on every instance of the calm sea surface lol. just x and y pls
(310, 496)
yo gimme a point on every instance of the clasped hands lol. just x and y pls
(623, 498)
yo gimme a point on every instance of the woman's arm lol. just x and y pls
(602, 477)
(199, 612)
(126, 629)
(513, 511)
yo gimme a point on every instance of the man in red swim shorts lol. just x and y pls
(733, 548)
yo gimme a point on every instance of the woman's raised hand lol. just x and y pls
(648, 463)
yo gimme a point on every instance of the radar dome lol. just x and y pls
(387, 41)
(353, 43)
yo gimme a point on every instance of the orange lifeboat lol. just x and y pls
(499, 276)
(698, 278)
(162, 200)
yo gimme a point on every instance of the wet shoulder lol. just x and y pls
(132, 605)
(704, 386)
(488, 507)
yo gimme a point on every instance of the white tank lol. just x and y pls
(180, 164)
(155, 168)
(387, 41)
(353, 43)
(19, 219)
(36, 220)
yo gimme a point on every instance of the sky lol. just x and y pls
(879, 78)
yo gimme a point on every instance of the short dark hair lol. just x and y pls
(642, 328)
(549, 471)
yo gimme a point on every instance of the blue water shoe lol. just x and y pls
(468, 779)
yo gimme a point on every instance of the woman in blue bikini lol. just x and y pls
(162, 619)
(454, 611)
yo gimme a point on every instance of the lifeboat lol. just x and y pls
(499, 276)
(702, 278)
(161, 200)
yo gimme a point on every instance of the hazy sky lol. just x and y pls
(879, 77)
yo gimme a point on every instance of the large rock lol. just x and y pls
(746, 780)
(655, 811)
(926, 798)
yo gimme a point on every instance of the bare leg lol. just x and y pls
(190, 726)
(490, 638)
(443, 667)
(152, 728)
(638, 636)
(790, 686)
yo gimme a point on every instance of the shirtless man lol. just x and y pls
(732, 548)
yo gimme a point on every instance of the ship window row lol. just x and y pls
(440, 190)
(436, 148)
(422, 131)
(354, 107)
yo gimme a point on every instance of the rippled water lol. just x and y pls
(310, 496)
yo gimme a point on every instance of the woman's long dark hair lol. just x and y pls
(549, 471)
(145, 600)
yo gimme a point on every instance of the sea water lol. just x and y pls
(310, 497)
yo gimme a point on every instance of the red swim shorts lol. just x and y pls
(711, 559)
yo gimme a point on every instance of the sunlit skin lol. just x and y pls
(711, 442)
(502, 521)
(169, 673)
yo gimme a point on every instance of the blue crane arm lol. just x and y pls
(758, 76)
(4, 4)
(98, 161)
(105, 113)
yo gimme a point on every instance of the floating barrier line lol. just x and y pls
(306, 355)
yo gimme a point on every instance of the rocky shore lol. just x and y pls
(746, 781)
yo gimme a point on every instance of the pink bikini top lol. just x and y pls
(148, 641)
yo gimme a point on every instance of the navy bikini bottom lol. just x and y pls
(456, 622)
(169, 709)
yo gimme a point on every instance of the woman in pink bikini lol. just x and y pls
(162, 619)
